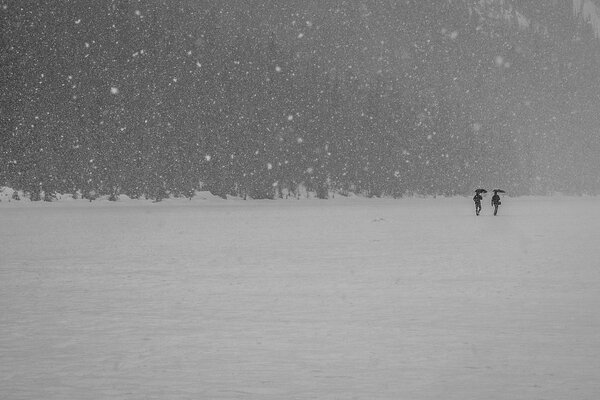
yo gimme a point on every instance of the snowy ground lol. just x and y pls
(366, 299)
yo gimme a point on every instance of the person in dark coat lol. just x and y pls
(477, 199)
(496, 202)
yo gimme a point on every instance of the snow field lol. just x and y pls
(365, 299)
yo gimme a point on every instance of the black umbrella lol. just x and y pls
(478, 191)
(499, 191)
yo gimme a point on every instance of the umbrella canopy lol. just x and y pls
(498, 191)
(480, 191)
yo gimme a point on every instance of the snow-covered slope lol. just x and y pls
(510, 13)
(589, 12)
(365, 299)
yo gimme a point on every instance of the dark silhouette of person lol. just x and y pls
(496, 202)
(477, 199)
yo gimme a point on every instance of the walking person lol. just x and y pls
(496, 200)
(477, 199)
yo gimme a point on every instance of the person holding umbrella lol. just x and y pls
(477, 199)
(496, 200)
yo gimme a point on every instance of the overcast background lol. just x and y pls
(157, 98)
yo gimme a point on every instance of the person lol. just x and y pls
(496, 202)
(477, 199)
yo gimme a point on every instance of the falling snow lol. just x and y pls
(376, 98)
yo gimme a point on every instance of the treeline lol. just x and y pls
(160, 98)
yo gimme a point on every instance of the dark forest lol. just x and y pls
(163, 98)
